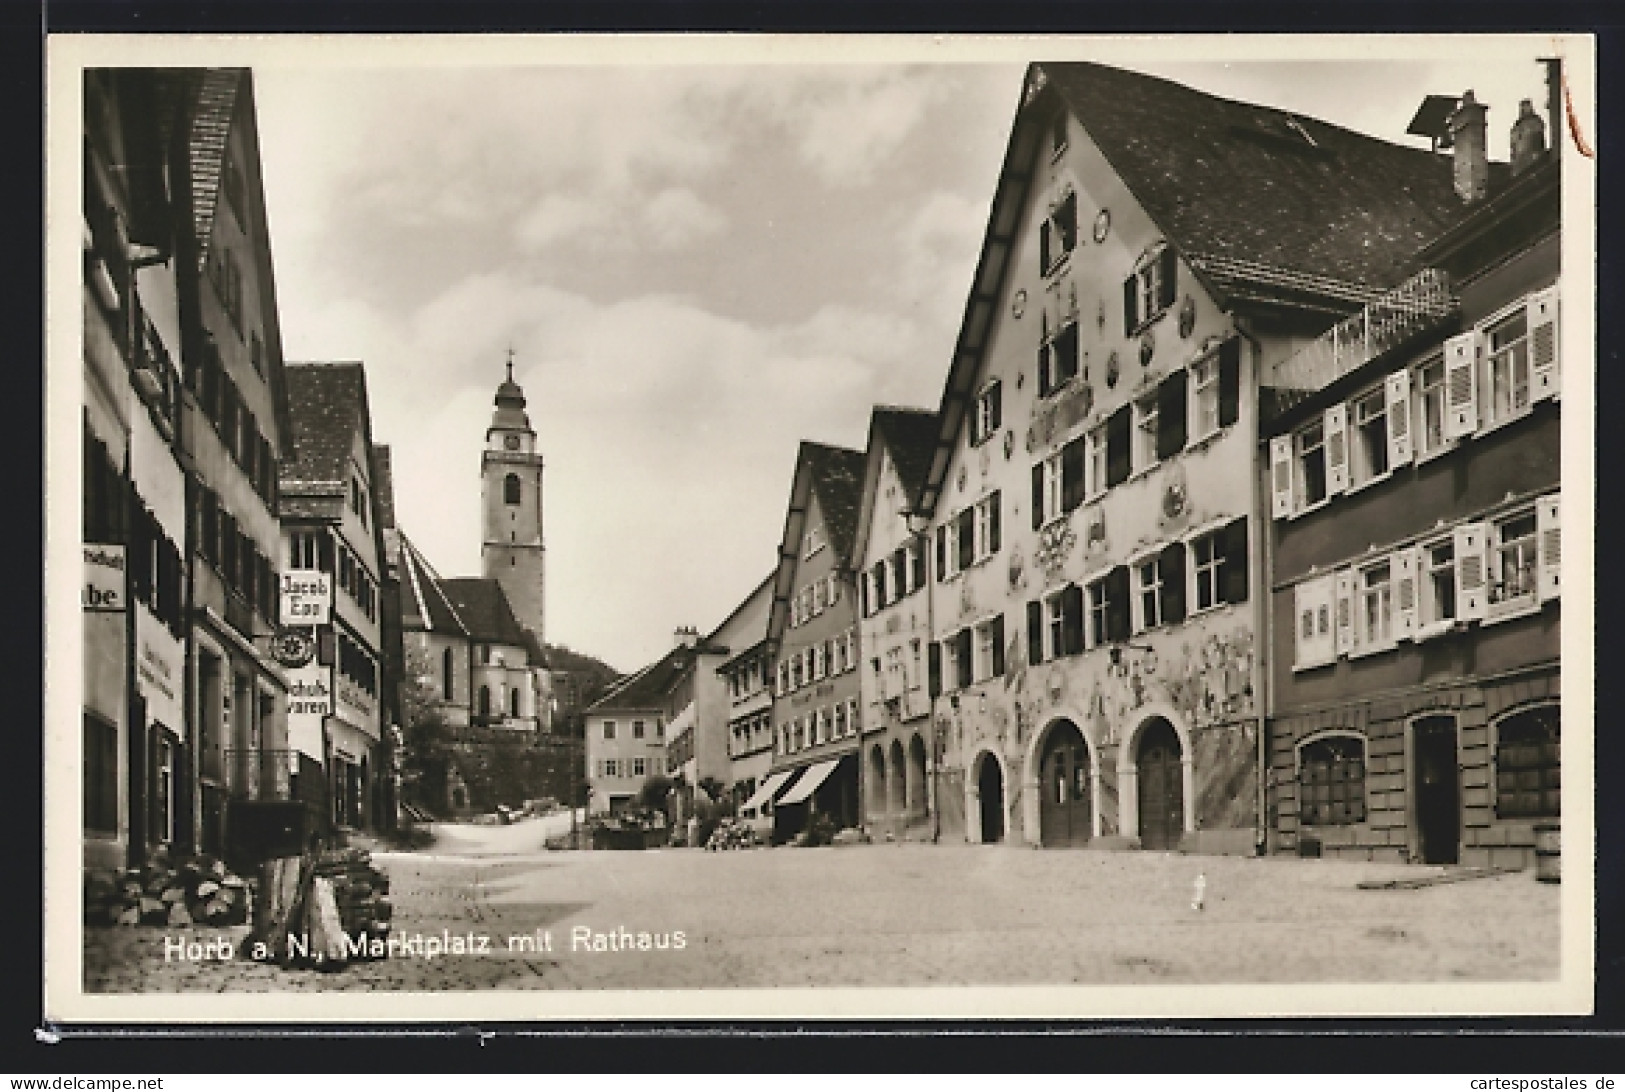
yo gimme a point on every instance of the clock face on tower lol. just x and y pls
(511, 443)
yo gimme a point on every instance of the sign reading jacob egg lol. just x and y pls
(104, 577)
(307, 597)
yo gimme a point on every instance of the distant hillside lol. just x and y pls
(578, 681)
(563, 658)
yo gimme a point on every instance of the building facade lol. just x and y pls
(1416, 524)
(747, 679)
(812, 630)
(1096, 667)
(626, 731)
(891, 556)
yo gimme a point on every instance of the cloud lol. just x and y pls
(556, 218)
(938, 247)
(846, 126)
(676, 217)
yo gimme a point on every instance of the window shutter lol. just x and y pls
(1337, 449)
(942, 552)
(1304, 601)
(1461, 385)
(1118, 427)
(1131, 297)
(995, 502)
(962, 658)
(1540, 319)
(1471, 586)
(834, 589)
(917, 573)
(324, 552)
(1072, 485)
(933, 668)
(1071, 620)
(1343, 621)
(1171, 425)
(1117, 601)
(1229, 382)
(899, 572)
(1398, 389)
(1035, 632)
(864, 599)
(1405, 564)
(998, 644)
(1167, 272)
(995, 397)
(1281, 477)
(1173, 582)
(1044, 246)
(1038, 495)
(1044, 384)
(967, 538)
(1233, 565)
(1548, 540)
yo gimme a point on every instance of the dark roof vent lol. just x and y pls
(1432, 119)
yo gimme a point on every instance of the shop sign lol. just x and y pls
(104, 577)
(307, 597)
(356, 701)
(310, 691)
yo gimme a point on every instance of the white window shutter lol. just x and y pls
(1281, 476)
(1461, 385)
(1548, 538)
(1405, 565)
(1399, 418)
(1540, 318)
(1343, 617)
(1337, 449)
(834, 590)
(1472, 588)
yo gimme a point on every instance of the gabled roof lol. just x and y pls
(746, 625)
(908, 435)
(835, 476)
(327, 405)
(214, 104)
(648, 688)
(424, 605)
(484, 609)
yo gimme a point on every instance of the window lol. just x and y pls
(784, 677)
(612, 767)
(812, 542)
(1205, 562)
(1048, 477)
(988, 650)
(639, 766)
(1527, 768)
(987, 527)
(1430, 399)
(1376, 607)
(1513, 564)
(510, 489)
(1219, 565)
(1310, 451)
(1205, 388)
(1331, 782)
(1159, 588)
(1058, 234)
(795, 671)
(101, 774)
(1438, 598)
(877, 584)
(609, 729)
(916, 564)
(839, 729)
(660, 727)
(1149, 290)
(1058, 360)
(1506, 372)
(988, 413)
(1370, 436)
(447, 689)
(638, 729)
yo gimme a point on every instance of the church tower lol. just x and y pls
(512, 552)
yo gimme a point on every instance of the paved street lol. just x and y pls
(903, 915)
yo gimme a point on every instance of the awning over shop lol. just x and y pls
(764, 792)
(810, 781)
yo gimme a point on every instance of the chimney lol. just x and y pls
(1472, 156)
(1528, 138)
(686, 637)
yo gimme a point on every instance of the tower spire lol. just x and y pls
(510, 362)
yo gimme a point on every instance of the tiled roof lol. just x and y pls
(206, 144)
(424, 605)
(484, 609)
(837, 480)
(648, 688)
(327, 404)
(909, 435)
(383, 485)
(1256, 184)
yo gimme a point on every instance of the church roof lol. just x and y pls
(484, 609)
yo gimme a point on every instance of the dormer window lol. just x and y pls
(1149, 290)
(1058, 234)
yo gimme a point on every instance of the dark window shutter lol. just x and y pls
(1044, 384)
(1117, 599)
(1131, 297)
(995, 504)
(1233, 567)
(1171, 415)
(1043, 247)
(1035, 632)
(933, 660)
(324, 552)
(1117, 447)
(1066, 222)
(1167, 271)
(1038, 495)
(1229, 381)
(996, 409)
(1072, 475)
(963, 658)
(967, 538)
(1064, 361)
(899, 568)
(998, 644)
(211, 527)
(918, 574)
(1173, 582)
(1071, 620)
(863, 595)
(942, 551)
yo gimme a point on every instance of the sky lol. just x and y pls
(696, 266)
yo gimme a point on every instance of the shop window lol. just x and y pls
(989, 413)
(1527, 766)
(1331, 781)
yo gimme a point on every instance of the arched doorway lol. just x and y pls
(877, 782)
(990, 791)
(917, 796)
(1066, 810)
(896, 783)
(1161, 786)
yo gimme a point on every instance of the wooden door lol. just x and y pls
(1065, 814)
(1438, 791)
(1161, 787)
(990, 790)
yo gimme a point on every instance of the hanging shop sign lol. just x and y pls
(104, 577)
(310, 691)
(307, 597)
(294, 646)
